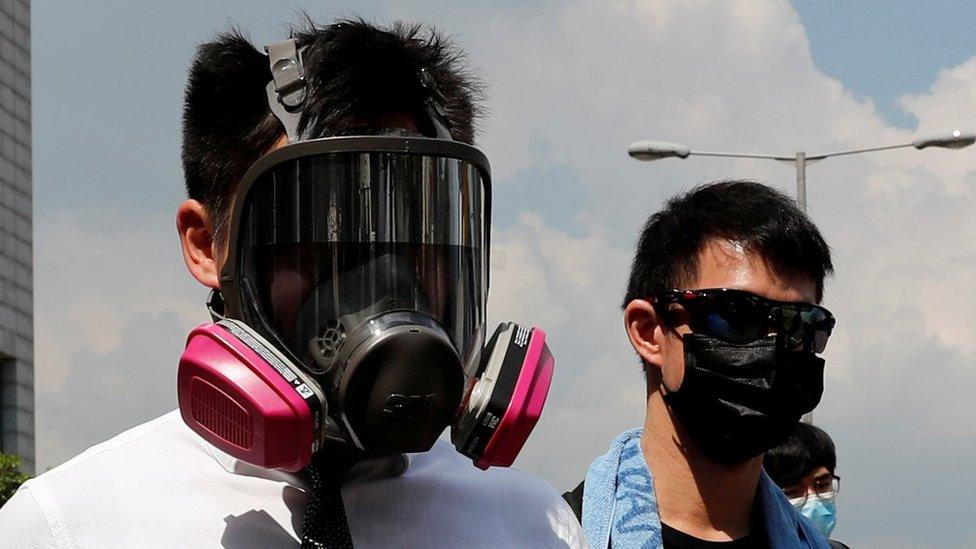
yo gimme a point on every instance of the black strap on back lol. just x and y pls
(325, 525)
(575, 501)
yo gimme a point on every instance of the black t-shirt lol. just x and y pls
(673, 539)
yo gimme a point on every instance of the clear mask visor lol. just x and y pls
(329, 240)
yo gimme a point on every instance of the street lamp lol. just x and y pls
(655, 150)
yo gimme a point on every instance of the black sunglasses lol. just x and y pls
(738, 316)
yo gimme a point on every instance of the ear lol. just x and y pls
(196, 237)
(645, 331)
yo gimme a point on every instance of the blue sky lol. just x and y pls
(884, 49)
(571, 84)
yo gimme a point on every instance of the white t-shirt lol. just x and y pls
(160, 485)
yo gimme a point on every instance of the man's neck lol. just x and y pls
(699, 497)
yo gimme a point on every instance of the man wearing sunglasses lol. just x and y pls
(722, 309)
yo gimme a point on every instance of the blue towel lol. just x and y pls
(619, 504)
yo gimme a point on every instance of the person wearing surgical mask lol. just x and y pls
(804, 467)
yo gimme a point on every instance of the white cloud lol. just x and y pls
(113, 310)
(107, 392)
(92, 279)
(948, 105)
(571, 287)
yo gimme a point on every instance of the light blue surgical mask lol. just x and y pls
(821, 511)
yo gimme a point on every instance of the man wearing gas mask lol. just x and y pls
(341, 217)
(722, 308)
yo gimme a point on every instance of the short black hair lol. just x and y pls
(806, 449)
(354, 68)
(761, 219)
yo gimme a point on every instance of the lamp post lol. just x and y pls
(656, 150)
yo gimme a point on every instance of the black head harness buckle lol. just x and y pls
(287, 89)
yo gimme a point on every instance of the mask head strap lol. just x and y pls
(287, 89)
(434, 105)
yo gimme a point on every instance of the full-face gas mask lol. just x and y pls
(352, 303)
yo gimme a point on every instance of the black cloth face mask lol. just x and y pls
(738, 400)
